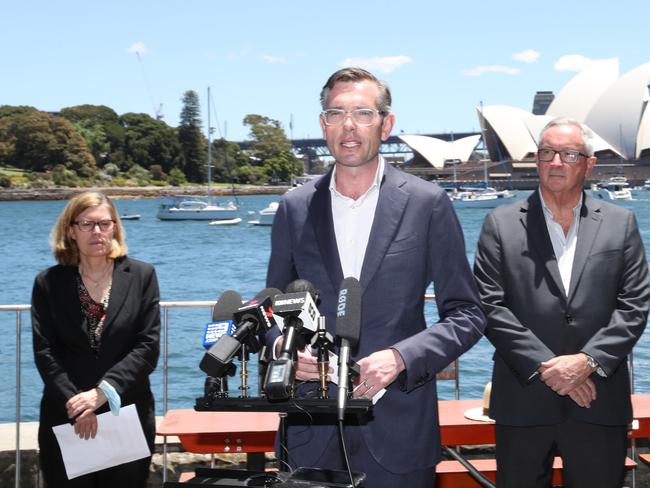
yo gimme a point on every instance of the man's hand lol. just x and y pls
(85, 425)
(86, 400)
(584, 394)
(565, 373)
(307, 367)
(378, 371)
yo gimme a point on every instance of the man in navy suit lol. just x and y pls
(396, 233)
(564, 283)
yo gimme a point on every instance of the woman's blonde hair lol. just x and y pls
(64, 247)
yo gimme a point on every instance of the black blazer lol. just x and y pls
(129, 345)
(531, 319)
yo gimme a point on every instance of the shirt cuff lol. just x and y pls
(114, 400)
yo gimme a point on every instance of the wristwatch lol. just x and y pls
(591, 362)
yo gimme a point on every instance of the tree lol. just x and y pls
(102, 129)
(192, 141)
(148, 141)
(226, 158)
(39, 141)
(271, 149)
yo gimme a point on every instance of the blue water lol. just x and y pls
(195, 261)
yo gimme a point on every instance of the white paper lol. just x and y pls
(119, 440)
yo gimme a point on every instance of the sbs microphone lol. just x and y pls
(348, 330)
(299, 312)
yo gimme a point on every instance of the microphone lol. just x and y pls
(348, 330)
(299, 312)
(254, 316)
(321, 341)
(221, 325)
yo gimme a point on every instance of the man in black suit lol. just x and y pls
(396, 233)
(564, 282)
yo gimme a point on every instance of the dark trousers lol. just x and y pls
(593, 456)
(127, 475)
(361, 459)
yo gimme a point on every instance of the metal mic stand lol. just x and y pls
(244, 356)
(321, 341)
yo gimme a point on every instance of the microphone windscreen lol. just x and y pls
(226, 306)
(301, 285)
(348, 311)
(268, 292)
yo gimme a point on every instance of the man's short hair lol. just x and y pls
(345, 75)
(586, 132)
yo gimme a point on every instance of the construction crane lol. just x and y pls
(157, 108)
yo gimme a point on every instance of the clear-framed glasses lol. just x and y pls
(568, 156)
(360, 116)
(89, 225)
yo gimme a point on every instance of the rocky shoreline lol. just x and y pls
(13, 194)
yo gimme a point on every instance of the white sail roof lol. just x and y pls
(509, 123)
(579, 95)
(436, 151)
(618, 113)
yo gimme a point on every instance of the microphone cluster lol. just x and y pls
(237, 328)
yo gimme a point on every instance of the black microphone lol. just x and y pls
(221, 325)
(348, 330)
(253, 317)
(299, 312)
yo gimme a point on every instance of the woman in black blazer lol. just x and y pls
(96, 336)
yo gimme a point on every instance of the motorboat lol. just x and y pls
(615, 188)
(266, 215)
(480, 197)
(193, 208)
(130, 217)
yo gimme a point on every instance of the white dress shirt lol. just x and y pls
(564, 246)
(352, 222)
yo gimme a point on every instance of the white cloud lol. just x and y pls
(138, 48)
(492, 68)
(273, 59)
(572, 62)
(526, 56)
(384, 64)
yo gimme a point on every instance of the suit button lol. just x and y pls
(569, 319)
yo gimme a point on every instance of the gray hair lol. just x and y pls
(344, 75)
(586, 133)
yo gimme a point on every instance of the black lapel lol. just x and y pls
(532, 218)
(119, 290)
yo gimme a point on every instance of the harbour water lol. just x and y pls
(196, 261)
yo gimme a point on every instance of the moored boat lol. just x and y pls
(193, 208)
(615, 188)
(266, 215)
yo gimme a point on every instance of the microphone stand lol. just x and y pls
(321, 342)
(244, 357)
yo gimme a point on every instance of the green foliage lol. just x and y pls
(271, 149)
(156, 172)
(176, 177)
(61, 176)
(39, 141)
(139, 175)
(149, 141)
(226, 157)
(5, 181)
(254, 175)
(193, 143)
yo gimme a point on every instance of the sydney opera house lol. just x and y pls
(616, 107)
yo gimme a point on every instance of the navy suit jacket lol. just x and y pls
(532, 319)
(415, 239)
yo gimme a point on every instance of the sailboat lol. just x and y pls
(480, 196)
(199, 208)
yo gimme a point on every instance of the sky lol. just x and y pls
(440, 59)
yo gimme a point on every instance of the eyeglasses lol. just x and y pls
(360, 116)
(89, 225)
(546, 155)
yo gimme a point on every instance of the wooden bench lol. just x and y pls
(452, 474)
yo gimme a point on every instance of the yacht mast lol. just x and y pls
(209, 148)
